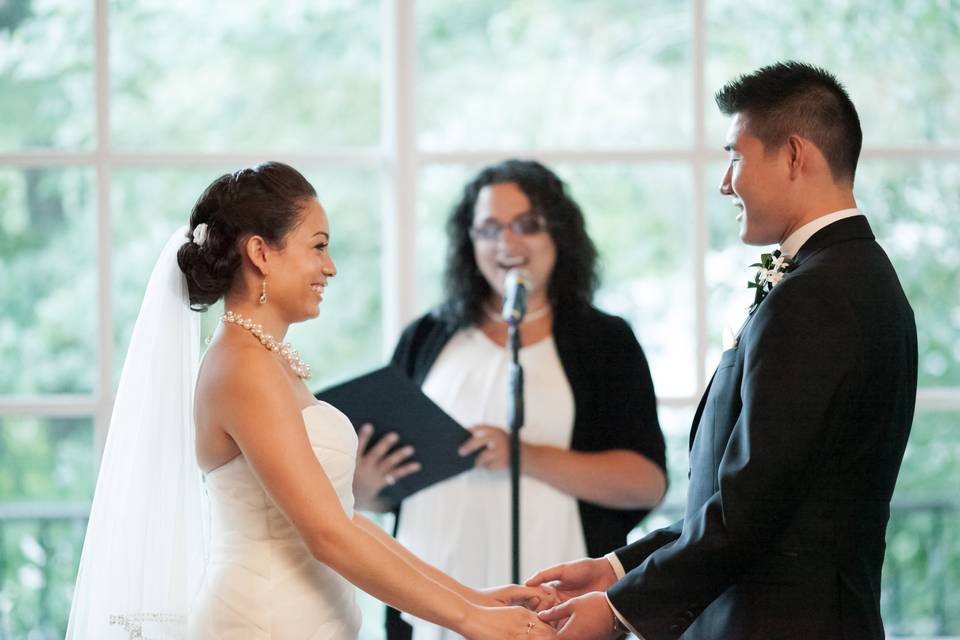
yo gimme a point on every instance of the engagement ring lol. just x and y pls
(389, 479)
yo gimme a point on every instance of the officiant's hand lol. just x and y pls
(572, 579)
(378, 468)
(493, 444)
(585, 617)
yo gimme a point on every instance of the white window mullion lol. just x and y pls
(701, 159)
(56, 405)
(365, 157)
(938, 399)
(104, 382)
(560, 156)
(398, 230)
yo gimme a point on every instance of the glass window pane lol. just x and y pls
(345, 339)
(46, 483)
(913, 207)
(48, 290)
(46, 75)
(920, 594)
(897, 59)
(223, 75)
(675, 423)
(147, 205)
(438, 191)
(516, 73)
(727, 267)
(639, 218)
(46, 459)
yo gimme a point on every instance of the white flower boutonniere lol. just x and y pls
(770, 271)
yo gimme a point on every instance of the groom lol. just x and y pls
(798, 439)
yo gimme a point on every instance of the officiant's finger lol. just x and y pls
(396, 458)
(363, 437)
(475, 443)
(383, 445)
(493, 459)
(405, 470)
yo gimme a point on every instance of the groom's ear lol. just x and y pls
(796, 150)
(257, 251)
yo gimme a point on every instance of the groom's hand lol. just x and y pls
(572, 579)
(586, 617)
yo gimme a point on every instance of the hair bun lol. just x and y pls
(265, 200)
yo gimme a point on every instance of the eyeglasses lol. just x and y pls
(525, 224)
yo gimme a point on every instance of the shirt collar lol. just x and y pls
(799, 237)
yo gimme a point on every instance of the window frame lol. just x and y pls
(399, 159)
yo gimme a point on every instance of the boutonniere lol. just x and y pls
(770, 271)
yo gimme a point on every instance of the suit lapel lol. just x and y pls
(699, 413)
(855, 228)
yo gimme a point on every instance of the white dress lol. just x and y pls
(462, 525)
(261, 581)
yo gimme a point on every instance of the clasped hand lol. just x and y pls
(571, 597)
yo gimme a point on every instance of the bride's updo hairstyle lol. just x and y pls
(265, 201)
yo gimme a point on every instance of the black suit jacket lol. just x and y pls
(795, 451)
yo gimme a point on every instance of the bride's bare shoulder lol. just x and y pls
(238, 370)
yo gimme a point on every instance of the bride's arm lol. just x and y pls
(257, 408)
(506, 595)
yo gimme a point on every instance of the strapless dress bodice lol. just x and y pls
(261, 579)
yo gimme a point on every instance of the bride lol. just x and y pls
(281, 550)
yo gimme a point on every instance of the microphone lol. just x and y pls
(516, 285)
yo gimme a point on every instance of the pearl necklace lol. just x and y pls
(530, 317)
(301, 368)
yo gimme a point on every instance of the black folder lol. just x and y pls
(390, 401)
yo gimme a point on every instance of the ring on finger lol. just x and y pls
(389, 479)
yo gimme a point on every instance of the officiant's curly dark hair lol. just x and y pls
(575, 275)
(265, 200)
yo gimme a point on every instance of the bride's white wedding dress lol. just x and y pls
(261, 582)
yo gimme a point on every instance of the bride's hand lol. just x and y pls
(505, 623)
(535, 598)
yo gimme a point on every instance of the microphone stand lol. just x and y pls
(515, 415)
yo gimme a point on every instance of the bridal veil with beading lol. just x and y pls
(143, 555)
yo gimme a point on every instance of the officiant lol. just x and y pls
(593, 455)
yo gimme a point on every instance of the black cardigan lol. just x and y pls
(614, 400)
(615, 407)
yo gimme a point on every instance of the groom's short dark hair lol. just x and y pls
(796, 98)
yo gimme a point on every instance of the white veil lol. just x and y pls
(144, 552)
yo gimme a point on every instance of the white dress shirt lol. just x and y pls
(799, 237)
